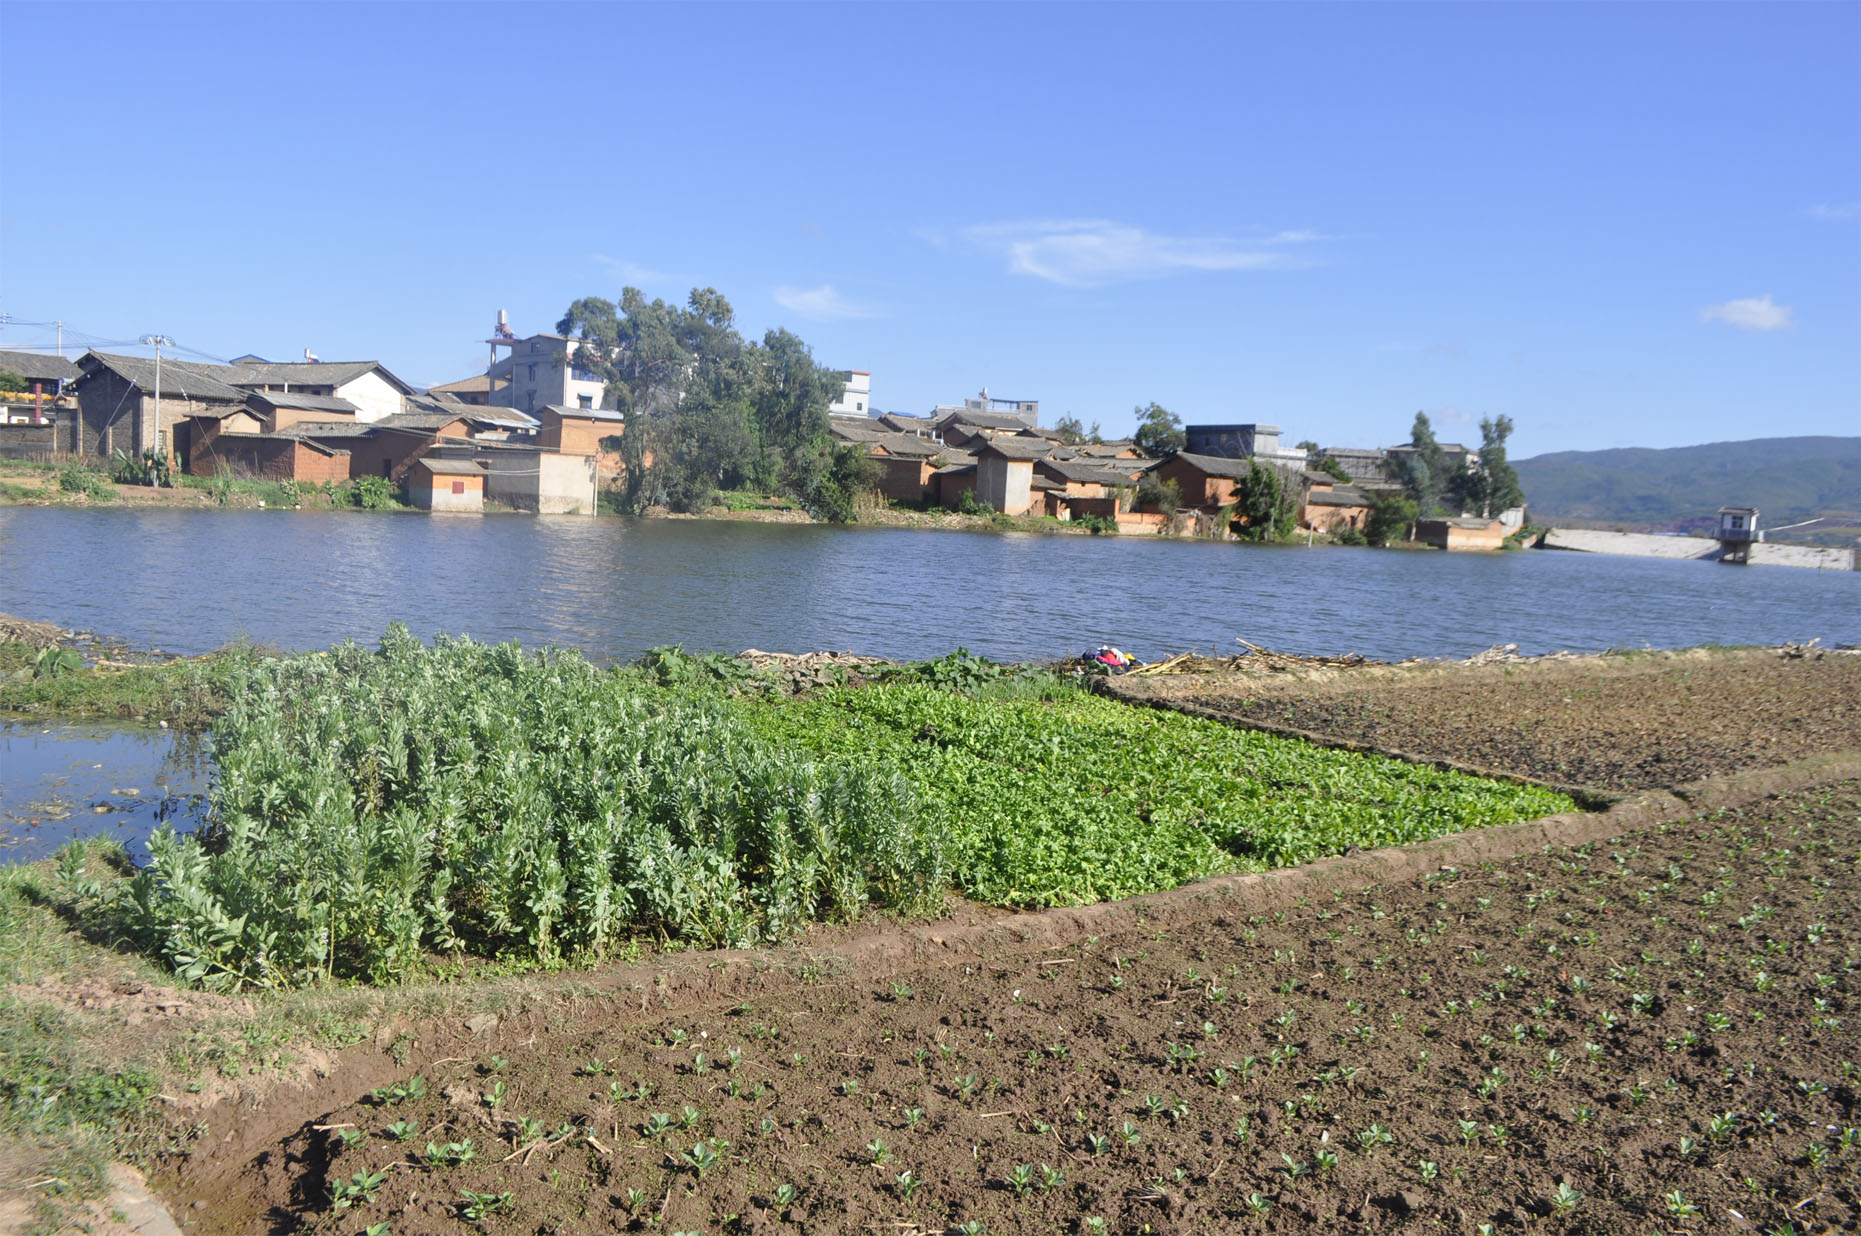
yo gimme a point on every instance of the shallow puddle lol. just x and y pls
(59, 782)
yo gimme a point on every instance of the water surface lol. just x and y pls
(189, 581)
(59, 782)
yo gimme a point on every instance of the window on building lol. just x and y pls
(458, 487)
(532, 371)
(536, 346)
(861, 406)
(584, 401)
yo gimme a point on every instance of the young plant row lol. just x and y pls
(1078, 798)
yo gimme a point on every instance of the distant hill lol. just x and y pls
(1787, 479)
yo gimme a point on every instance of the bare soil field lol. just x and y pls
(1646, 1034)
(1615, 722)
(1636, 1023)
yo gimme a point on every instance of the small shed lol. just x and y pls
(446, 484)
(1468, 532)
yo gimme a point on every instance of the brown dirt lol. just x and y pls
(1613, 722)
(1678, 973)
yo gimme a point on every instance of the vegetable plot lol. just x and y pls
(1082, 799)
(376, 808)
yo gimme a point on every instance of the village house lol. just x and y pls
(906, 465)
(117, 402)
(950, 483)
(46, 378)
(1206, 482)
(374, 392)
(1075, 489)
(1329, 508)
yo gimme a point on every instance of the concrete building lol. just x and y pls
(1241, 441)
(856, 399)
(541, 371)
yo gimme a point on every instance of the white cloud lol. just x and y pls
(1095, 252)
(822, 303)
(631, 273)
(1450, 415)
(1835, 212)
(1752, 313)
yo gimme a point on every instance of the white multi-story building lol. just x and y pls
(856, 399)
(541, 371)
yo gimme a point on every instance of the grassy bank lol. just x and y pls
(186, 693)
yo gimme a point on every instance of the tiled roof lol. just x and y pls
(908, 445)
(308, 373)
(586, 414)
(326, 429)
(306, 403)
(981, 420)
(1216, 465)
(184, 379)
(1081, 473)
(31, 365)
(1013, 448)
(466, 386)
(424, 422)
(451, 467)
(1337, 497)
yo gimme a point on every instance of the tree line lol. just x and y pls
(708, 411)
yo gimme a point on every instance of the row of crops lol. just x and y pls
(376, 808)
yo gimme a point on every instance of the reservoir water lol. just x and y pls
(190, 581)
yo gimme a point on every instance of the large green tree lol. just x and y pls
(11, 382)
(708, 411)
(1430, 477)
(1494, 486)
(1159, 431)
(1266, 509)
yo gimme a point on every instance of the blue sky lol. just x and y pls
(1621, 225)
